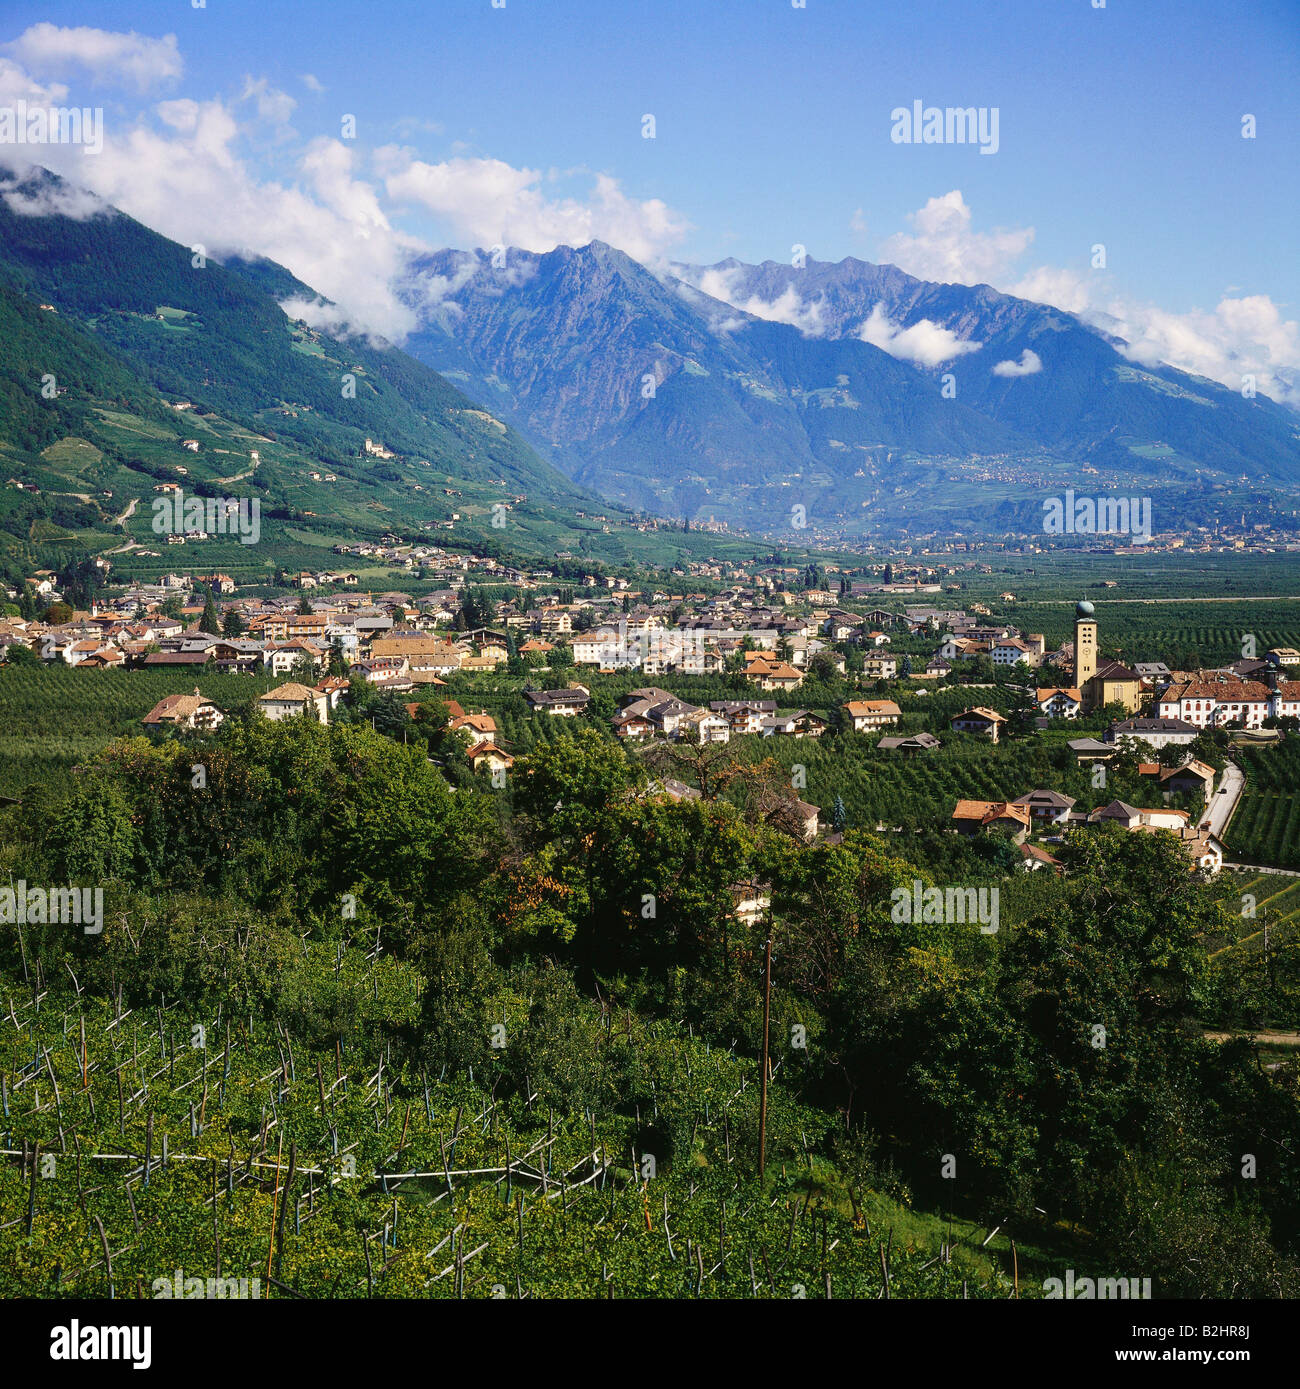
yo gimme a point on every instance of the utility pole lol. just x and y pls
(767, 1018)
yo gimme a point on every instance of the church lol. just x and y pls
(1108, 683)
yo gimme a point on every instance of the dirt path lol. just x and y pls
(239, 477)
(1263, 1039)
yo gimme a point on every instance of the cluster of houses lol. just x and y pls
(1050, 813)
(196, 713)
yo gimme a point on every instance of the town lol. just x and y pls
(767, 632)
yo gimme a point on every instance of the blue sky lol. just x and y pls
(1119, 125)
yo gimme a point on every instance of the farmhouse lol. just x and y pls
(972, 817)
(291, 700)
(979, 720)
(916, 742)
(871, 713)
(184, 711)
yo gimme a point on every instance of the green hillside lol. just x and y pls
(106, 328)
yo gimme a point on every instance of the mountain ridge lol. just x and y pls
(647, 387)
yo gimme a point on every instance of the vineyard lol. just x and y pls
(1256, 964)
(142, 1142)
(1265, 827)
(895, 790)
(350, 1032)
(54, 716)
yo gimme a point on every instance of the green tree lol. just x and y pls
(208, 622)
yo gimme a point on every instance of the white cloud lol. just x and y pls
(1029, 364)
(944, 248)
(131, 60)
(64, 200)
(185, 178)
(924, 342)
(17, 85)
(273, 106)
(721, 282)
(1064, 289)
(1239, 337)
(312, 82)
(486, 202)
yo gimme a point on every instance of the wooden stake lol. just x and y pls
(767, 1016)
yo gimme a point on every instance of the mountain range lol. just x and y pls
(117, 346)
(874, 400)
(577, 390)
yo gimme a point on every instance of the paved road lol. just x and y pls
(1260, 868)
(1235, 598)
(1223, 800)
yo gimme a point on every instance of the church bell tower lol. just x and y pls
(1085, 648)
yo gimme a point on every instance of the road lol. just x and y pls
(1261, 868)
(1265, 1039)
(128, 513)
(1235, 598)
(1223, 800)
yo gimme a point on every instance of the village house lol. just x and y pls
(187, 711)
(871, 713)
(1049, 807)
(293, 700)
(562, 703)
(1060, 703)
(1154, 732)
(479, 728)
(973, 817)
(744, 716)
(979, 720)
(1215, 703)
(936, 668)
(1010, 651)
(769, 674)
(878, 666)
(487, 754)
(1033, 857)
(916, 742)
